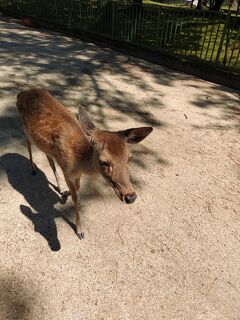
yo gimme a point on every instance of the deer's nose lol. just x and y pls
(130, 198)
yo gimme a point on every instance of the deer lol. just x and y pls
(77, 146)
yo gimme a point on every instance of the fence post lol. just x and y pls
(70, 13)
(56, 10)
(21, 9)
(226, 24)
(113, 18)
(37, 8)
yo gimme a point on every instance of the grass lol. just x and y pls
(193, 33)
(164, 4)
(224, 7)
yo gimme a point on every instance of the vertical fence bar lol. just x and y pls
(196, 30)
(149, 31)
(237, 58)
(209, 41)
(215, 42)
(184, 33)
(142, 23)
(233, 48)
(151, 28)
(188, 32)
(132, 22)
(166, 29)
(127, 24)
(22, 11)
(175, 32)
(163, 27)
(124, 23)
(171, 29)
(189, 44)
(56, 9)
(37, 8)
(222, 38)
(201, 29)
(157, 29)
(113, 19)
(231, 35)
(228, 39)
(136, 17)
(179, 34)
(138, 22)
(205, 34)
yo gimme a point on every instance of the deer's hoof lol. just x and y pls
(80, 235)
(34, 172)
(65, 194)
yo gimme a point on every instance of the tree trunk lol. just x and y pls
(217, 5)
(199, 5)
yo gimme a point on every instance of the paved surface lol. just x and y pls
(175, 253)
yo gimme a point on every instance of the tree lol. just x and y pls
(216, 5)
(200, 4)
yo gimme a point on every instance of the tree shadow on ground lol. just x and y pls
(76, 72)
(224, 100)
(16, 298)
(40, 197)
(80, 72)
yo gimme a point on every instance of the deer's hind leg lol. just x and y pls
(73, 185)
(53, 167)
(77, 183)
(29, 147)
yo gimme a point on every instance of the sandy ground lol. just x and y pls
(174, 253)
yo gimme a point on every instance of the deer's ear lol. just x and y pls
(136, 135)
(84, 120)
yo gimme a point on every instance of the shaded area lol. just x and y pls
(228, 107)
(40, 197)
(77, 72)
(17, 299)
(72, 71)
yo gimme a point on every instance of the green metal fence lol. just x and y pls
(201, 35)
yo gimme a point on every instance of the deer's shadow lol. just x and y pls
(40, 197)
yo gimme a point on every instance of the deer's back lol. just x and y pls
(49, 125)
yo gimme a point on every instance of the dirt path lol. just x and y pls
(175, 253)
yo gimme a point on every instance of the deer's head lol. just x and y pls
(112, 156)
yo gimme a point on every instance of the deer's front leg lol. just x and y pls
(73, 191)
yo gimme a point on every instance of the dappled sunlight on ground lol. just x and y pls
(174, 254)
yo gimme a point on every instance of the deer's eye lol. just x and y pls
(104, 164)
(106, 167)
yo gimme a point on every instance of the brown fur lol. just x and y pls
(27, 22)
(77, 146)
(53, 129)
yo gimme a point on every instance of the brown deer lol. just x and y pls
(27, 22)
(77, 145)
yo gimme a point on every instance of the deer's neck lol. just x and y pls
(87, 159)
